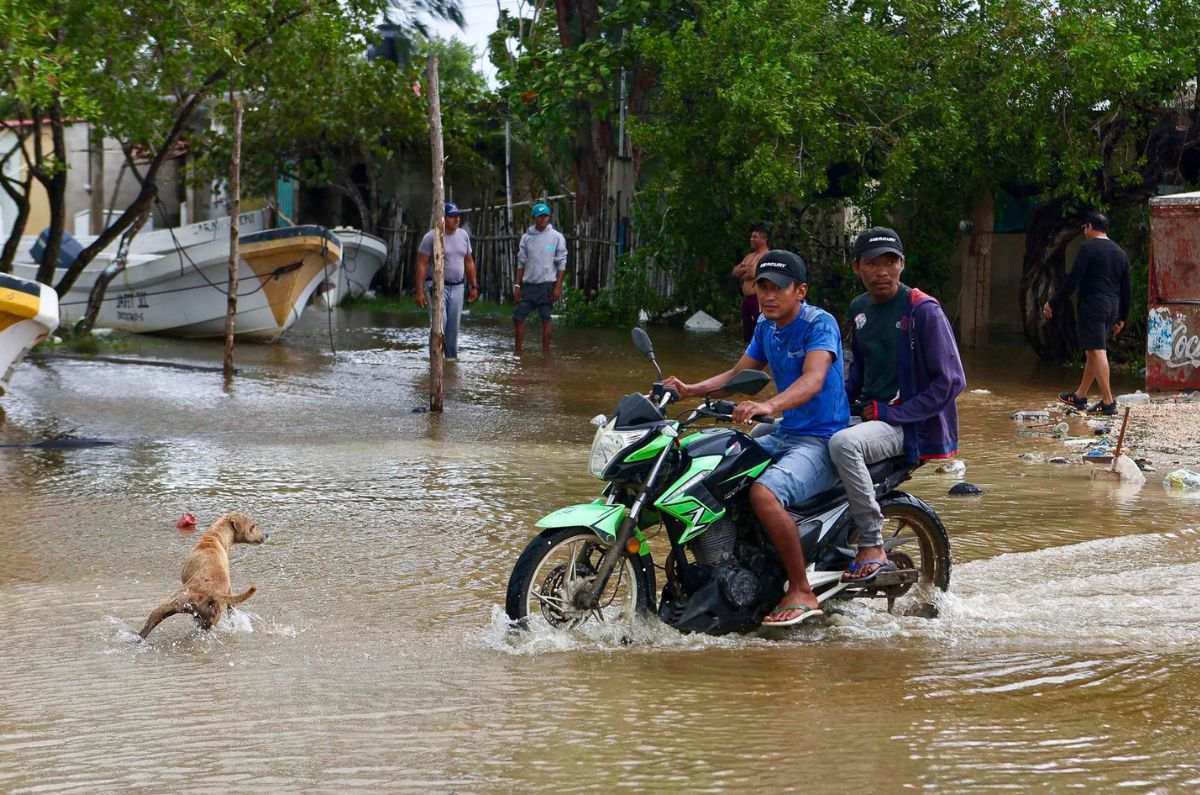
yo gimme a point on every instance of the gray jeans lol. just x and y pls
(454, 305)
(852, 450)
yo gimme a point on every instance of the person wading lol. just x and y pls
(541, 265)
(1101, 274)
(744, 273)
(460, 270)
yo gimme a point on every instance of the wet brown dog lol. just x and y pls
(206, 588)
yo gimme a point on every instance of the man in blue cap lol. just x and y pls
(803, 347)
(541, 265)
(460, 271)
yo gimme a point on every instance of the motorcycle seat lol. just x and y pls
(885, 474)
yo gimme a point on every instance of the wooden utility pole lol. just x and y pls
(235, 203)
(437, 325)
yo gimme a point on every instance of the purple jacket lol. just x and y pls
(931, 377)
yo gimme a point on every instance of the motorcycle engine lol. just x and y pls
(726, 589)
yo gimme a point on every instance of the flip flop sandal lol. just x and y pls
(805, 614)
(856, 566)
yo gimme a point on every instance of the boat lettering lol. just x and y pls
(135, 317)
(126, 300)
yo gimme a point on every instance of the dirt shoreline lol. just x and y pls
(1166, 431)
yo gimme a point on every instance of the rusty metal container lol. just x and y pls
(1173, 335)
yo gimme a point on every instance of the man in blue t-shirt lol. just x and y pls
(803, 346)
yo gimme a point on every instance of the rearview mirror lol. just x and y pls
(641, 341)
(746, 382)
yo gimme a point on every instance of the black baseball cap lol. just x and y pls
(781, 268)
(877, 240)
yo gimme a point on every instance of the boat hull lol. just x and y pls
(183, 293)
(28, 314)
(362, 257)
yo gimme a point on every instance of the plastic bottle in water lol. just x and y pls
(1133, 399)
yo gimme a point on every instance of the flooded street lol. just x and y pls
(374, 655)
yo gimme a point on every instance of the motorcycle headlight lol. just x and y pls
(607, 443)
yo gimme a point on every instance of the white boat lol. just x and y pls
(362, 257)
(28, 313)
(183, 292)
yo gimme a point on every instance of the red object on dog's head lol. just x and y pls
(187, 522)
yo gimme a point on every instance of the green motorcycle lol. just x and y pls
(592, 562)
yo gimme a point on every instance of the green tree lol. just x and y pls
(140, 70)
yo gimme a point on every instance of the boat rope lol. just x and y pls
(183, 255)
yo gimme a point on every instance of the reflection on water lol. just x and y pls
(375, 655)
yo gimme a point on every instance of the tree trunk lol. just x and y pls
(437, 334)
(578, 22)
(235, 204)
(21, 199)
(54, 180)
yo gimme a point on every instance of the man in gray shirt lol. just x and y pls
(541, 265)
(460, 270)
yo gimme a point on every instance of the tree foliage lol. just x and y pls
(141, 71)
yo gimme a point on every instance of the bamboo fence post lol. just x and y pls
(235, 201)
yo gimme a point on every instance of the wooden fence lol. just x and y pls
(594, 246)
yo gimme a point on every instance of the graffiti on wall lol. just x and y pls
(1169, 340)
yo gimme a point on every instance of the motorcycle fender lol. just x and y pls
(600, 517)
(604, 519)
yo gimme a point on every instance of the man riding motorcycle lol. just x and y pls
(802, 344)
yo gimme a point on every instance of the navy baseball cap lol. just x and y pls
(452, 210)
(782, 268)
(878, 240)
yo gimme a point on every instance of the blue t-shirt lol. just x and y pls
(784, 349)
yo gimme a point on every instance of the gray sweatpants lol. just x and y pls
(454, 305)
(852, 450)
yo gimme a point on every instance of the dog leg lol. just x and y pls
(176, 604)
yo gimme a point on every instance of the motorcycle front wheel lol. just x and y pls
(559, 563)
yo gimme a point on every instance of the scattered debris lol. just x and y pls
(186, 523)
(952, 468)
(702, 321)
(1137, 398)
(1128, 471)
(1058, 459)
(1184, 479)
(1030, 415)
(981, 391)
(964, 489)
(1032, 458)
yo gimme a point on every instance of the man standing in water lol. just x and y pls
(905, 375)
(803, 346)
(541, 265)
(1101, 273)
(744, 273)
(460, 269)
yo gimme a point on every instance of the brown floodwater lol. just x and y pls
(374, 656)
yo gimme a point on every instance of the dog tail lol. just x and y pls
(237, 599)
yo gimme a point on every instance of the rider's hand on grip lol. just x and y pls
(661, 388)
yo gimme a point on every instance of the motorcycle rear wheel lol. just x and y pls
(913, 534)
(558, 563)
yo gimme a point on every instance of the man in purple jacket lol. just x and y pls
(905, 375)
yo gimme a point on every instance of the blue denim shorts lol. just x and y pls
(801, 470)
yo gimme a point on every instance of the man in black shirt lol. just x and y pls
(1101, 274)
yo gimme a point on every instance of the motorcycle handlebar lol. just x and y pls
(723, 410)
